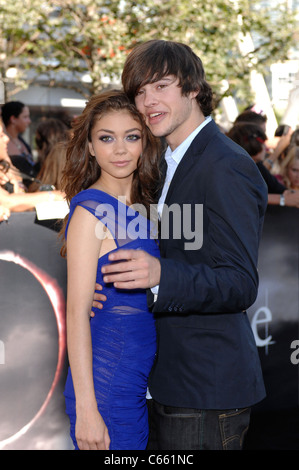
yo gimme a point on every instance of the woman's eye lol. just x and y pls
(106, 138)
(133, 137)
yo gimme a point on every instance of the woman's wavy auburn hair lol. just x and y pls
(82, 169)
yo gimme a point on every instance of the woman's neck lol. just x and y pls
(115, 189)
(12, 132)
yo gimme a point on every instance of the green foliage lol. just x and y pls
(95, 36)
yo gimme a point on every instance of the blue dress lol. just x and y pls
(123, 332)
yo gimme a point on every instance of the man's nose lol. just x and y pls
(150, 98)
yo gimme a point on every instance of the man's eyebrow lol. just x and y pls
(168, 78)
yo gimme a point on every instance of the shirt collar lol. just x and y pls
(180, 151)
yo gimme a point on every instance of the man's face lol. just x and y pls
(167, 112)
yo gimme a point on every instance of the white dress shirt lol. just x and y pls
(173, 159)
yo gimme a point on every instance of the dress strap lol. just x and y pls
(123, 222)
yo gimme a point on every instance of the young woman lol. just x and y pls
(289, 168)
(111, 163)
(16, 118)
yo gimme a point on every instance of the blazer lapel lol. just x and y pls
(196, 148)
(163, 171)
(181, 172)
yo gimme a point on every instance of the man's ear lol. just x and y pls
(91, 150)
(193, 94)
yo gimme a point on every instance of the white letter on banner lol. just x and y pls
(265, 319)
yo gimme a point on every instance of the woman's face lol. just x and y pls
(23, 120)
(116, 143)
(293, 173)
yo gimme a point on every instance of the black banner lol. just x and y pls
(32, 337)
(275, 322)
(33, 349)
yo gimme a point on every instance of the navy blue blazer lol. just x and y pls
(207, 357)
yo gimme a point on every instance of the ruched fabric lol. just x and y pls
(123, 332)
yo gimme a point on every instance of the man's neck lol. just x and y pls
(176, 138)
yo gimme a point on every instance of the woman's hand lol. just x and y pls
(98, 298)
(91, 431)
(4, 213)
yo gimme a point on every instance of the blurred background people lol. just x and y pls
(294, 140)
(10, 178)
(51, 138)
(16, 119)
(19, 201)
(289, 169)
(49, 176)
(4, 214)
(275, 148)
(253, 139)
(48, 133)
(253, 118)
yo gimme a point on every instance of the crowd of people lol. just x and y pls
(277, 159)
(163, 357)
(26, 181)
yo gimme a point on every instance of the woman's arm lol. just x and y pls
(291, 198)
(83, 250)
(21, 202)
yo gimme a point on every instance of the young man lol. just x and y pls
(207, 372)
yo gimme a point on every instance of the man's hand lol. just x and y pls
(132, 269)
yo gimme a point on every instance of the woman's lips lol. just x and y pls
(121, 163)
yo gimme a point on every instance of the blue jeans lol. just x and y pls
(174, 428)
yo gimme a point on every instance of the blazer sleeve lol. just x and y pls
(222, 275)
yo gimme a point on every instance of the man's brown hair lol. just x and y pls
(151, 61)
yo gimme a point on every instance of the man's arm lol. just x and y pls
(235, 206)
(222, 276)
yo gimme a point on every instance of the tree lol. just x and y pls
(91, 38)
